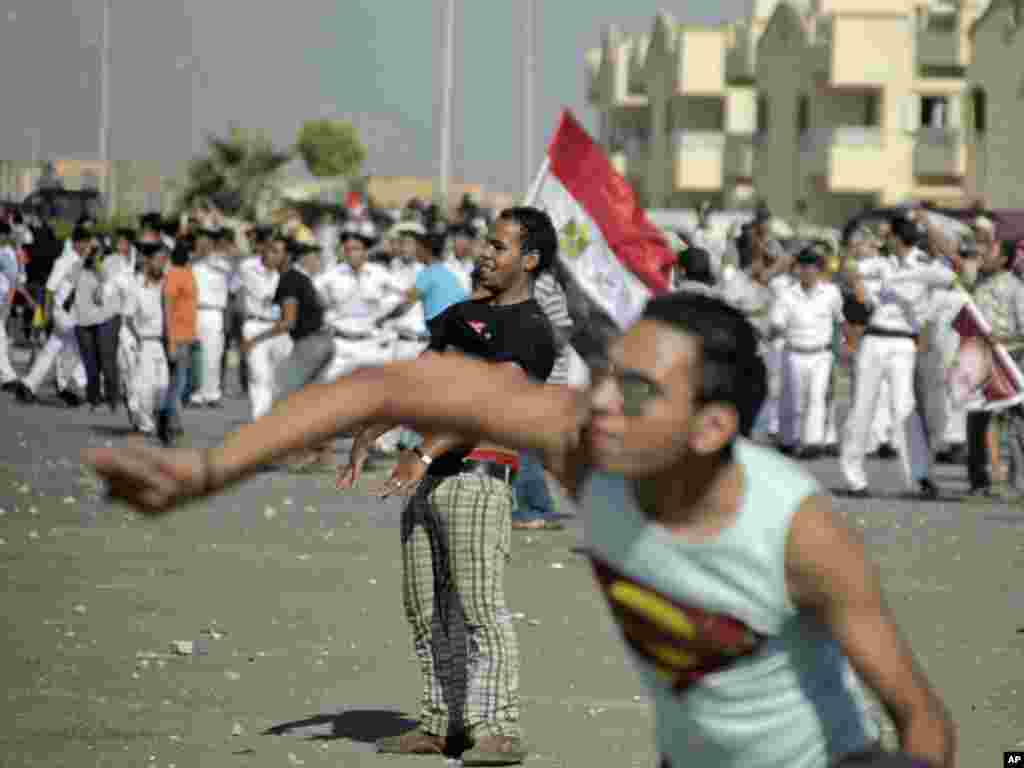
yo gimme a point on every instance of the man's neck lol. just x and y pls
(515, 295)
(703, 496)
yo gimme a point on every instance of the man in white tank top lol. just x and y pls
(750, 609)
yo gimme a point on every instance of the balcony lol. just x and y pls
(848, 158)
(940, 153)
(698, 160)
(939, 43)
(740, 56)
(738, 162)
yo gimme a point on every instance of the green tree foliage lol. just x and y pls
(236, 173)
(331, 148)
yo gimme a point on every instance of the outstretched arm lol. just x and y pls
(437, 393)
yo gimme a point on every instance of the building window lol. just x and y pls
(935, 112)
(763, 115)
(803, 114)
(979, 103)
(871, 110)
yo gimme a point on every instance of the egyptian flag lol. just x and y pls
(983, 377)
(611, 258)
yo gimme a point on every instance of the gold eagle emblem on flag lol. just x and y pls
(574, 238)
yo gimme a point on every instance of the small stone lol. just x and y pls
(34, 511)
(69, 499)
(231, 675)
(183, 647)
(534, 622)
(142, 664)
(3, 541)
(636, 698)
(287, 501)
(557, 565)
(33, 534)
(2, 511)
(136, 675)
(373, 581)
(79, 609)
(237, 730)
(269, 513)
(294, 759)
(303, 557)
(24, 489)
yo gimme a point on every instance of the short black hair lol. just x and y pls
(732, 369)
(181, 254)
(537, 234)
(905, 230)
(696, 262)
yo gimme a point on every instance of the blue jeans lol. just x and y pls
(181, 368)
(533, 500)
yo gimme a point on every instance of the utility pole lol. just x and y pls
(528, 81)
(109, 186)
(446, 104)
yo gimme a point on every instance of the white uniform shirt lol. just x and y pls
(146, 311)
(377, 292)
(903, 296)
(65, 269)
(807, 320)
(463, 270)
(118, 276)
(213, 278)
(336, 287)
(259, 285)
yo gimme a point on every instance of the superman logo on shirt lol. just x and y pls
(682, 642)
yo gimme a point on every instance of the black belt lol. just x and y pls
(260, 318)
(410, 336)
(885, 333)
(351, 336)
(151, 338)
(809, 350)
(210, 306)
(503, 472)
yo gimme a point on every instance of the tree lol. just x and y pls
(236, 174)
(331, 148)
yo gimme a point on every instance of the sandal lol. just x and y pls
(495, 750)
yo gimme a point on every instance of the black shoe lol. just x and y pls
(24, 394)
(71, 400)
(887, 452)
(928, 489)
(9, 386)
(832, 451)
(980, 491)
(787, 450)
(810, 452)
(859, 493)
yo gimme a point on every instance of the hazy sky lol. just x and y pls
(181, 68)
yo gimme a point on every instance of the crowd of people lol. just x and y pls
(734, 583)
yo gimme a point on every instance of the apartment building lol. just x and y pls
(678, 114)
(995, 117)
(838, 104)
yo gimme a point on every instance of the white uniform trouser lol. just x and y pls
(879, 359)
(210, 325)
(803, 403)
(61, 348)
(148, 384)
(768, 417)
(7, 372)
(263, 360)
(351, 355)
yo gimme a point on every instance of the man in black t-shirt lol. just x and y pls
(302, 318)
(457, 526)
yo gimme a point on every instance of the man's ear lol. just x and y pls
(715, 425)
(531, 261)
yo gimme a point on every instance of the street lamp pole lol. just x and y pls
(446, 102)
(108, 166)
(528, 73)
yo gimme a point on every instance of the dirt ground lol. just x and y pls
(290, 594)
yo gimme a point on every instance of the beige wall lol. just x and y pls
(701, 60)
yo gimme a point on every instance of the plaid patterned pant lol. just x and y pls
(469, 657)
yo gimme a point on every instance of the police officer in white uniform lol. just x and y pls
(62, 346)
(259, 278)
(888, 351)
(373, 293)
(212, 271)
(9, 275)
(805, 317)
(144, 321)
(410, 327)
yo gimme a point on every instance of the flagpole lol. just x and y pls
(446, 104)
(534, 191)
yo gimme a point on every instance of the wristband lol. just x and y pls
(428, 460)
